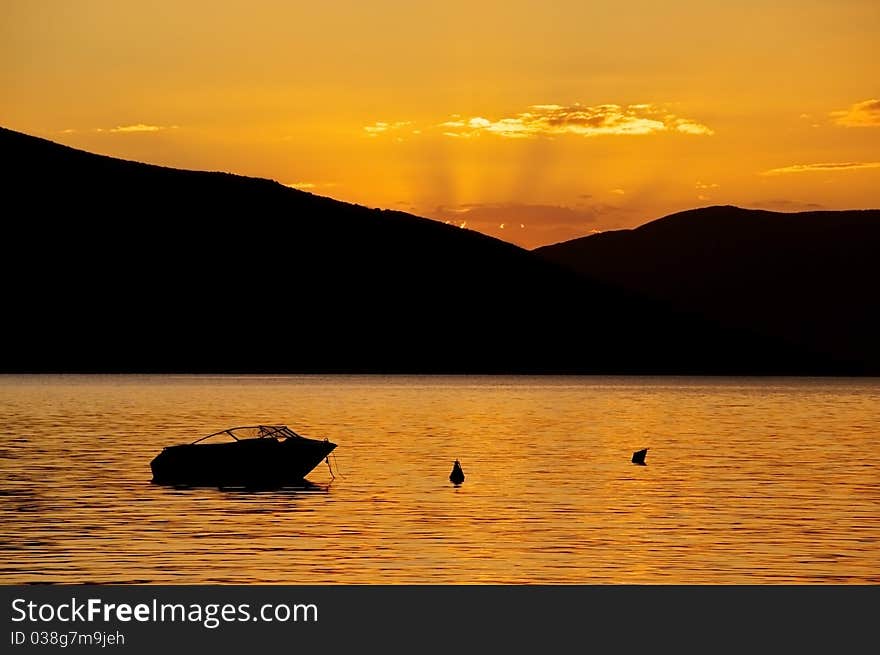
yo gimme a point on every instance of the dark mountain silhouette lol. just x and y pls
(113, 265)
(809, 278)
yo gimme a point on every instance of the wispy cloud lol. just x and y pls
(578, 120)
(123, 129)
(861, 114)
(519, 216)
(706, 188)
(381, 127)
(827, 166)
(555, 120)
(309, 186)
(140, 127)
(784, 205)
(531, 225)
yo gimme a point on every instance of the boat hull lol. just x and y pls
(248, 462)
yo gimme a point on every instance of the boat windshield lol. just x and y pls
(254, 432)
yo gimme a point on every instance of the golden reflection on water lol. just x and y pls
(747, 481)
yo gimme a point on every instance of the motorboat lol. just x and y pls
(251, 456)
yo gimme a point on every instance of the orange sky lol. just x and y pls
(551, 118)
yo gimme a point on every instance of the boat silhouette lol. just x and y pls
(257, 456)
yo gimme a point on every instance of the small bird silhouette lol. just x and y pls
(457, 475)
(639, 456)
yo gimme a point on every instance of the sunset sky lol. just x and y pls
(532, 121)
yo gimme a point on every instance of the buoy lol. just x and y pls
(639, 456)
(457, 475)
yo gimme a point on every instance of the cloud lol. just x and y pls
(123, 129)
(692, 127)
(140, 127)
(520, 216)
(308, 186)
(380, 127)
(579, 120)
(531, 225)
(786, 205)
(828, 166)
(861, 114)
(549, 120)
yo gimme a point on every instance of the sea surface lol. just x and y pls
(748, 481)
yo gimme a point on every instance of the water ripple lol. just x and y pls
(747, 481)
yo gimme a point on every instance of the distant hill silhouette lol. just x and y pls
(809, 278)
(113, 265)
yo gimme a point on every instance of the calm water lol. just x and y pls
(748, 481)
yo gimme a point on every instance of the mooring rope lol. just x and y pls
(327, 459)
